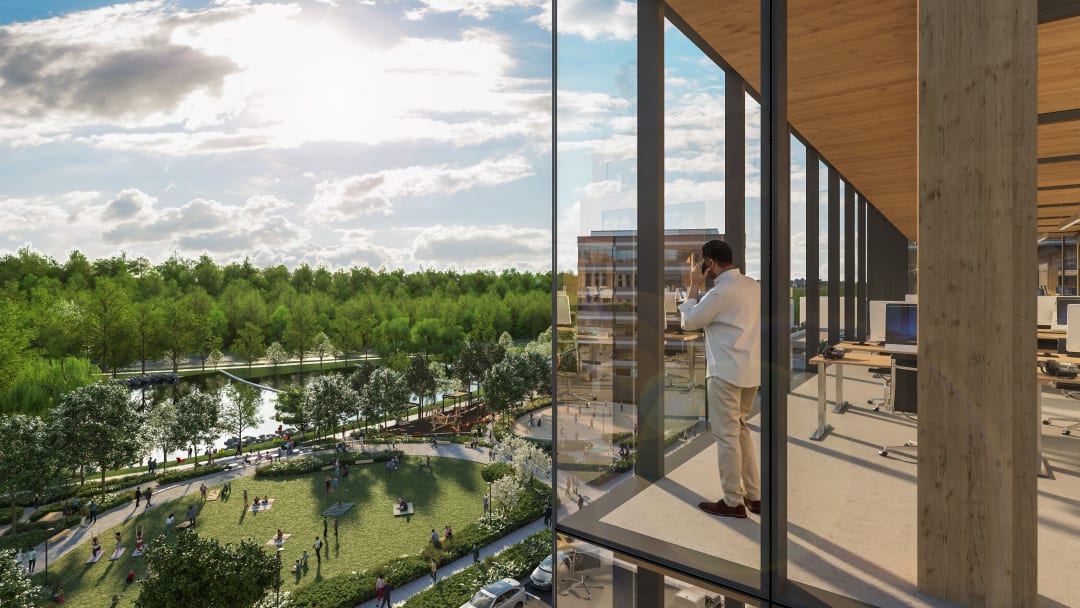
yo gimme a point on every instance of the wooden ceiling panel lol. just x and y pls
(852, 77)
(1052, 197)
(1059, 65)
(1060, 139)
(1059, 174)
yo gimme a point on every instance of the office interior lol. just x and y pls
(949, 477)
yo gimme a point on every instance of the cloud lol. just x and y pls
(128, 204)
(478, 9)
(499, 246)
(596, 19)
(377, 193)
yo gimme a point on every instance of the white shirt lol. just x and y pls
(730, 312)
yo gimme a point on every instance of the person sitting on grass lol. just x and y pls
(170, 520)
(266, 500)
(131, 576)
(59, 597)
(119, 540)
(96, 548)
(402, 505)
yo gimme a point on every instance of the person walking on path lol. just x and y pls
(475, 554)
(93, 512)
(318, 548)
(146, 495)
(547, 515)
(138, 496)
(380, 591)
(730, 314)
(434, 570)
(31, 559)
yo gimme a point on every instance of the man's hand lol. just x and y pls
(697, 280)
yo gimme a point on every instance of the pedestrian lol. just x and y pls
(485, 504)
(191, 515)
(337, 468)
(138, 496)
(31, 559)
(20, 557)
(731, 317)
(202, 491)
(386, 594)
(434, 537)
(328, 485)
(491, 454)
(93, 512)
(427, 462)
(380, 590)
(434, 570)
(324, 522)
(318, 546)
(245, 498)
(146, 495)
(335, 528)
(335, 485)
(475, 554)
(547, 514)
(580, 502)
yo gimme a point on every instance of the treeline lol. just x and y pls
(123, 311)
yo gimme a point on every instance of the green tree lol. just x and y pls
(385, 395)
(180, 331)
(26, 459)
(293, 408)
(16, 589)
(147, 324)
(300, 329)
(162, 428)
(107, 316)
(418, 378)
(41, 383)
(196, 571)
(249, 343)
(503, 387)
(330, 400)
(240, 410)
(199, 415)
(99, 425)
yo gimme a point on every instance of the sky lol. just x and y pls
(393, 133)
(385, 133)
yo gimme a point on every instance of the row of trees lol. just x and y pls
(120, 311)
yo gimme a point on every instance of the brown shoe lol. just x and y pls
(754, 506)
(722, 509)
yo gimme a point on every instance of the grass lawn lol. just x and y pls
(369, 533)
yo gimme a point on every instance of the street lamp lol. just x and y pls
(48, 533)
(489, 501)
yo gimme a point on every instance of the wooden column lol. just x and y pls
(978, 410)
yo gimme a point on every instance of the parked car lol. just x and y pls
(248, 440)
(507, 593)
(542, 576)
(231, 442)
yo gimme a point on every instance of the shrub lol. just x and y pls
(312, 463)
(495, 471)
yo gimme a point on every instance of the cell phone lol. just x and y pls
(702, 266)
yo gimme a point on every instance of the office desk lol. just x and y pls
(690, 340)
(857, 358)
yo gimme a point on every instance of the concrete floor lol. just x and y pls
(852, 516)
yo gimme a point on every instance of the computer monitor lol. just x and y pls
(1062, 320)
(877, 319)
(1046, 310)
(1072, 332)
(901, 328)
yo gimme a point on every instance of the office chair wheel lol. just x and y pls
(876, 408)
(883, 452)
(1066, 432)
(1046, 422)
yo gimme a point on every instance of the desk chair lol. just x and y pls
(905, 393)
(885, 375)
(1072, 391)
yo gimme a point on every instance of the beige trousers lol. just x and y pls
(736, 457)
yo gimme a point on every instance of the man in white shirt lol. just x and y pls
(730, 313)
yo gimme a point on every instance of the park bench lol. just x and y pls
(365, 460)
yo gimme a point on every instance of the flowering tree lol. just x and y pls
(385, 394)
(528, 459)
(330, 399)
(276, 354)
(16, 590)
(506, 491)
(198, 416)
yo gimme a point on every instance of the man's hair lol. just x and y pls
(717, 251)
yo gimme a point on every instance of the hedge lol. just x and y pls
(185, 474)
(515, 562)
(312, 463)
(348, 590)
(495, 471)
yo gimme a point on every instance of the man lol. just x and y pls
(434, 570)
(547, 514)
(318, 546)
(93, 512)
(730, 313)
(146, 496)
(138, 496)
(31, 559)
